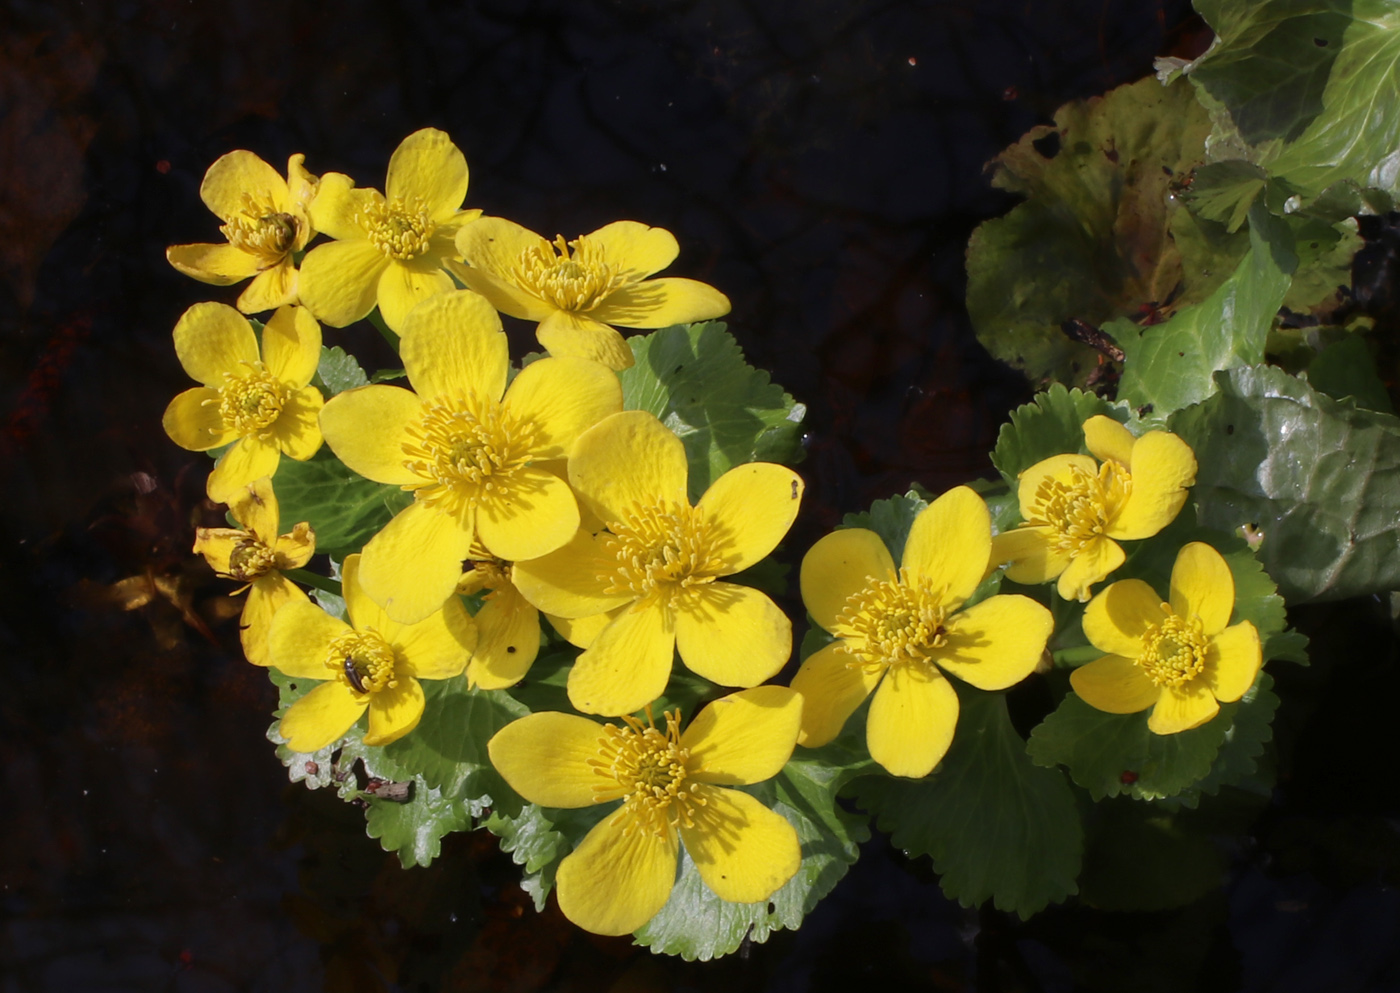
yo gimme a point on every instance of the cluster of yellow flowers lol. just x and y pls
(543, 492)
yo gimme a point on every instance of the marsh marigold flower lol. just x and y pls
(263, 403)
(371, 663)
(656, 567)
(672, 788)
(508, 625)
(576, 290)
(389, 246)
(1178, 657)
(901, 633)
(255, 555)
(266, 221)
(484, 468)
(1076, 510)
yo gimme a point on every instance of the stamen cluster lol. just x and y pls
(250, 559)
(466, 447)
(574, 282)
(362, 660)
(1174, 650)
(661, 549)
(648, 769)
(892, 623)
(1083, 509)
(400, 229)
(262, 230)
(251, 403)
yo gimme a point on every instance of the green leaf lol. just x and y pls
(1238, 761)
(997, 826)
(415, 829)
(345, 509)
(1325, 251)
(891, 519)
(1224, 191)
(1051, 424)
(538, 838)
(1169, 366)
(1345, 369)
(695, 380)
(1141, 857)
(338, 371)
(1319, 477)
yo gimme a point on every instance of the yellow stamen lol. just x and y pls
(648, 769)
(892, 623)
(1174, 650)
(1082, 509)
(250, 560)
(466, 449)
(261, 229)
(661, 550)
(251, 403)
(363, 661)
(574, 282)
(400, 229)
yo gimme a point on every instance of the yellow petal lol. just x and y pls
(1116, 620)
(249, 459)
(212, 339)
(509, 640)
(321, 717)
(362, 610)
(367, 428)
(625, 460)
(1232, 661)
(217, 545)
(504, 296)
(271, 288)
(394, 711)
(732, 635)
(532, 514)
(218, 265)
(750, 509)
(1115, 685)
(439, 645)
(743, 851)
(1031, 558)
(297, 430)
(565, 334)
(580, 631)
(996, 643)
(660, 303)
(1107, 439)
(950, 544)
(563, 398)
(193, 420)
(1163, 466)
(831, 691)
(635, 249)
(428, 168)
(412, 566)
(615, 880)
(300, 637)
(566, 583)
(628, 664)
(453, 345)
(544, 757)
(1057, 467)
(404, 285)
(745, 737)
(1182, 708)
(234, 174)
(839, 566)
(339, 280)
(337, 205)
(266, 596)
(912, 720)
(294, 549)
(1090, 565)
(291, 345)
(494, 246)
(1203, 587)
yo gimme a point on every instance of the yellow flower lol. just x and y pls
(256, 556)
(1074, 508)
(903, 632)
(672, 790)
(263, 403)
(482, 468)
(575, 295)
(508, 626)
(389, 250)
(373, 662)
(655, 568)
(1179, 657)
(265, 221)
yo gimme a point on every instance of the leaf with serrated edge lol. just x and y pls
(345, 509)
(1051, 424)
(338, 371)
(891, 519)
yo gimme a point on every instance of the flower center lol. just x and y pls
(892, 623)
(660, 550)
(1174, 650)
(400, 229)
(648, 769)
(465, 449)
(261, 229)
(1083, 508)
(363, 661)
(574, 282)
(250, 404)
(250, 560)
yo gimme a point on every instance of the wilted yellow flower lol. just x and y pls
(672, 790)
(1177, 657)
(576, 289)
(256, 555)
(263, 403)
(373, 662)
(1074, 508)
(904, 632)
(390, 246)
(655, 568)
(266, 221)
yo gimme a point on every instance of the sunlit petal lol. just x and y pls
(297, 431)
(837, 567)
(566, 334)
(453, 344)
(566, 583)
(1182, 708)
(1232, 661)
(628, 665)
(636, 249)
(291, 345)
(1203, 587)
(1163, 467)
(1117, 619)
(660, 303)
(732, 635)
(745, 737)
(831, 691)
(626, 460)
(412, 566)
(750, 509)
(1114, 684)
(1107, 439)
(996, 643)
(508, 640)
(394, 711)
(300, 638)
(950, 544)
(534, 514)
(266, 597)
(1057, 467)
(339, 280)
(236, 175)
(320, 717)
(1030, 556)
(428, 168)
(249, 459)
(544, 757)
(616, 880)
(212, 339)
(743, 851)
(218, 265)
(912, 720)
(367, 428)
(193, 420)
(1093, 563)
(562, 398)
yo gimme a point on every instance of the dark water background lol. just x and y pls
(820, 162)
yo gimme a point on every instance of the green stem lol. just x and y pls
(377, 320)
(308, 578)
(1077, 655)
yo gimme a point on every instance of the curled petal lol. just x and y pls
(1031, 558)
(337, 206)
(256, 509)
(217, 265)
